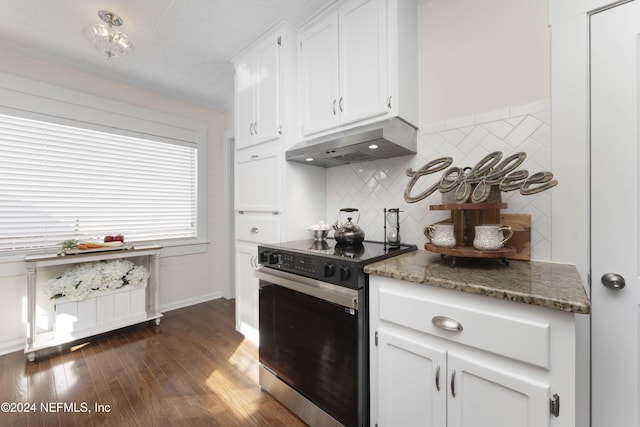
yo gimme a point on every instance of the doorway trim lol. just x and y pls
(229, 288)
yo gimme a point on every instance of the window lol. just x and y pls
(59, 182)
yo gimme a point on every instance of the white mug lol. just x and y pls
(490, 237)
(441, 235)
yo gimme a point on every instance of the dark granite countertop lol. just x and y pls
(551, 285)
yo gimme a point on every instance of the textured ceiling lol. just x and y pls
(181, 47)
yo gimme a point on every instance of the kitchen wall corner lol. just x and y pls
(373, 186)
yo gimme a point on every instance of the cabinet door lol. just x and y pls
(485, 395)
(412, 386)
(245, 103)
(258, 183)
(363, 60)
(247, 291)
(319, 76)
(267, 83)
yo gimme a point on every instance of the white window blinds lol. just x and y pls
(59, 182)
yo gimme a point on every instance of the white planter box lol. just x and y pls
(100, 309)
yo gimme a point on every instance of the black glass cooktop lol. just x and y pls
(365, 252)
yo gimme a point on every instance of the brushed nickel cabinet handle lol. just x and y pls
(334, 107)
(453, 383)
(389, 102)
(438, 378)
(447, 323)
(340, 105)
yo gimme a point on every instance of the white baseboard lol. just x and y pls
(13, 345)
(174, 305)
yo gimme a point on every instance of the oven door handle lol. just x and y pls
(345, 297)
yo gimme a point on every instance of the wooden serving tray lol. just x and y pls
(469, 252)
(76, 251)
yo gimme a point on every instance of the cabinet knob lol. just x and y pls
(447, 323)
(254, 230)
(613, 281)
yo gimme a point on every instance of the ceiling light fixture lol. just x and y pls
(108, 40)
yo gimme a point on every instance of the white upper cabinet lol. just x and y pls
(362, 53)
(350, 68)
(258, 94)
(319, 76)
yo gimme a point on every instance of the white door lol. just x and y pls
(258, 180)
(245, 102)
(363, 60)
(491, 396)
(319, 76)
(267, 81)
(247, 286)
(412, 389)
(615, 236)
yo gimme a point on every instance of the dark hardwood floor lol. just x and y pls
(194, 369)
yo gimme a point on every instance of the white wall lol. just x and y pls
(185, 279)
(480, 56)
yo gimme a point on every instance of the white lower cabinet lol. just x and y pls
(482, 394)
(252, 229)
(247, 291)
(447, 358)
(403, 400)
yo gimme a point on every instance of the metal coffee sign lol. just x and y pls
(474, 183)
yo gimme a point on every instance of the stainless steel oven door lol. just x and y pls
(309, 340)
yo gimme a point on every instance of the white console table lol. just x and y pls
(149, 255)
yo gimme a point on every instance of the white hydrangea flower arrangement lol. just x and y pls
(78, 281)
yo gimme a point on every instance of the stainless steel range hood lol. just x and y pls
(389, 138)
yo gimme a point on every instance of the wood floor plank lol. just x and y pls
(192, 369)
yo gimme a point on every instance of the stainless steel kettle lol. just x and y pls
(348, 233)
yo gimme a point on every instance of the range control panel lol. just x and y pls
(299, 263)
(346, 273)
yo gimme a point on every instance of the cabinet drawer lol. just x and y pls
(253, 228)
(484, 328)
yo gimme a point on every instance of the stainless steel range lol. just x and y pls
(314, 321)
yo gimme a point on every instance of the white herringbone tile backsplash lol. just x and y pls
(373, 186)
